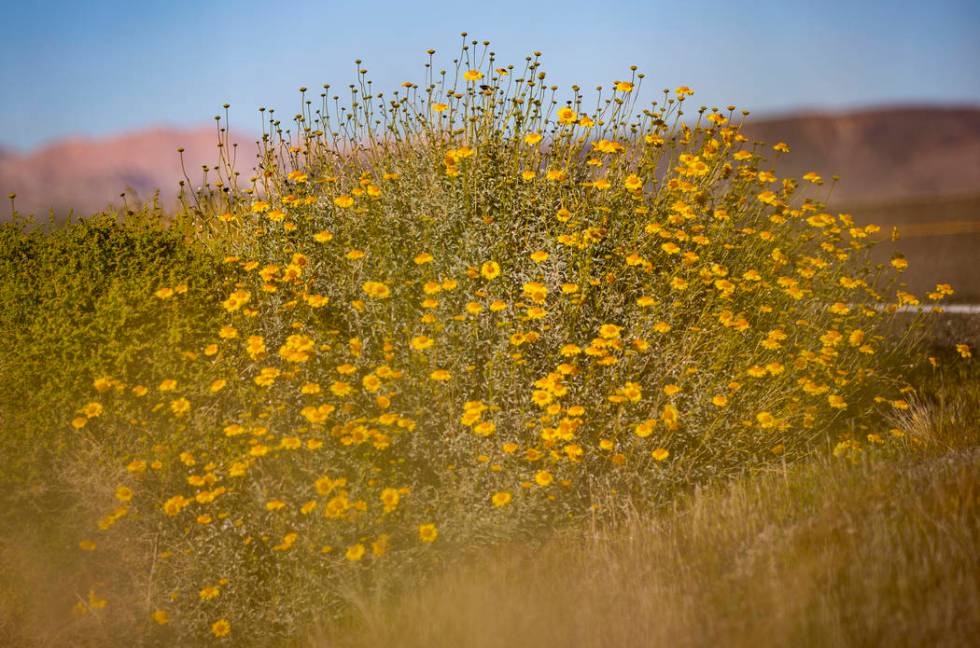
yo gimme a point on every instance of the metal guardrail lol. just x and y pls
(951, 309)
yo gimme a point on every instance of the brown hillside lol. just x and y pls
(884, 154)
(86, 174)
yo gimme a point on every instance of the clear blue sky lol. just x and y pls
(94, 67)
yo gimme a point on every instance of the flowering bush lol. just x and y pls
(467, 311)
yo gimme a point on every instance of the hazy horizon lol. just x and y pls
(241, 129)
(108, 67)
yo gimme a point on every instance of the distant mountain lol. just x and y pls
(86, 174)
(883, 154)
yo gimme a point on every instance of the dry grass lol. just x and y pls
(880, 553)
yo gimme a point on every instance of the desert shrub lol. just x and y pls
(74, 305)
(461, 312)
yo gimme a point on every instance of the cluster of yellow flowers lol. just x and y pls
(465, 309)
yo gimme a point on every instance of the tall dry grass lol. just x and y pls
(882, 553)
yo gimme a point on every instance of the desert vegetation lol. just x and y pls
(442, 332)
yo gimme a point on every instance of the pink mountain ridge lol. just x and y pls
(85, 174)
(882, 155)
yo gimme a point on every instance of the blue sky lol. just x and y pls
(98, 67)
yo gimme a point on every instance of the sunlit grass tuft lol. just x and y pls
(824, 554)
